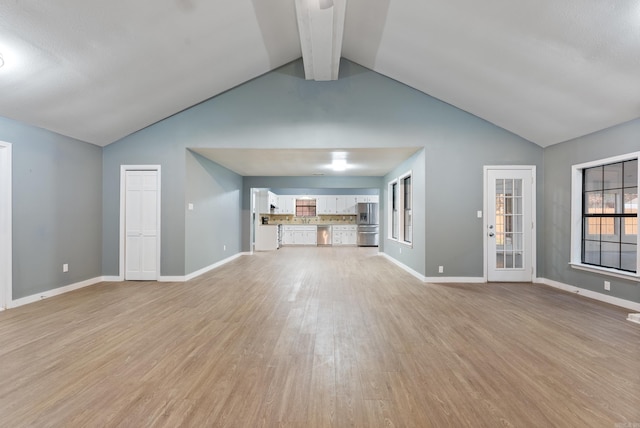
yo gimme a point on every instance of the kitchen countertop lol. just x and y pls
(309, 224)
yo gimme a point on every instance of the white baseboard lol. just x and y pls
(443, 279)
(451, 279)
(199, 272)
(182, 278)
(54, 292)
(403, 266)
(627, 304)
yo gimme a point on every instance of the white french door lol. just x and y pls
(510, 223)
(5, 225)
(142, 225)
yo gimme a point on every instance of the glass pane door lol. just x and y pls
(508, 224)
(509, 233)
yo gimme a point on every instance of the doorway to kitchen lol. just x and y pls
(5, 226)
(509, 238)
(140, 222)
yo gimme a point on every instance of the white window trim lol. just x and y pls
(576, 219)
(390, 211)
(401, 237)
(400, 190)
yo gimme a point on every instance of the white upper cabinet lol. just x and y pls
(368, 198)
(290, 205)
(273, 200)
(348, 204)
(326, 204)
(286, 204)
(262, 202)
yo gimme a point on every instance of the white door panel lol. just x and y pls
(510, 225)
(142, 225)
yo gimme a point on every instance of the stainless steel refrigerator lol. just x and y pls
(368, 227)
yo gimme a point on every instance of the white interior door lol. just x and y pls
(510, 243)
(141, 225)
(5, 225)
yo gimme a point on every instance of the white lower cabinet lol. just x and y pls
(344, 235)
(299, 235)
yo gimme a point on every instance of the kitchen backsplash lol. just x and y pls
(321, 219)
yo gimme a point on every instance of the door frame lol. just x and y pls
(123, 194)
(485, 221)
(6, 246)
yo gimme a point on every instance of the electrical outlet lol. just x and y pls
(400, 249)
(224, 248)
(607, 285)
(440, 269)
(65, 267)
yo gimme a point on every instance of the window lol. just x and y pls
(400, 209)
(394, 204)
(305, 207)
(605, 215)
(406, 208)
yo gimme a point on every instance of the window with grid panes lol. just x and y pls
(305, 207)
(610, 215)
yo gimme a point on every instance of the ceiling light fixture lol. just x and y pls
(325, 4)
(339, 164)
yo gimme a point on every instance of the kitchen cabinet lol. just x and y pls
(326, 204)
(287, 236)
(341, 204)
(321, 205)
(347, 204)
(285, 204)
(299, 235)
(344, 235)
(273, 200)
(368, 198)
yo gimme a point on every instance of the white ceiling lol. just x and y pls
(546, 70)
(370, 162)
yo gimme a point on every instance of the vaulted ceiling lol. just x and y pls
(546, 70)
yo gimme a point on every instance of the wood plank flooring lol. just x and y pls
(318, 337)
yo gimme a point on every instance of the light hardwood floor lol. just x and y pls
(318, 337)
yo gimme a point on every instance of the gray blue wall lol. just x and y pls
(411, 256)
(57, 208)
(212, 231)
(556, 239)
(457, 146)
(362, 109)
(454, 191)
(163, 145)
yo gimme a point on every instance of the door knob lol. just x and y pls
(491, 234)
